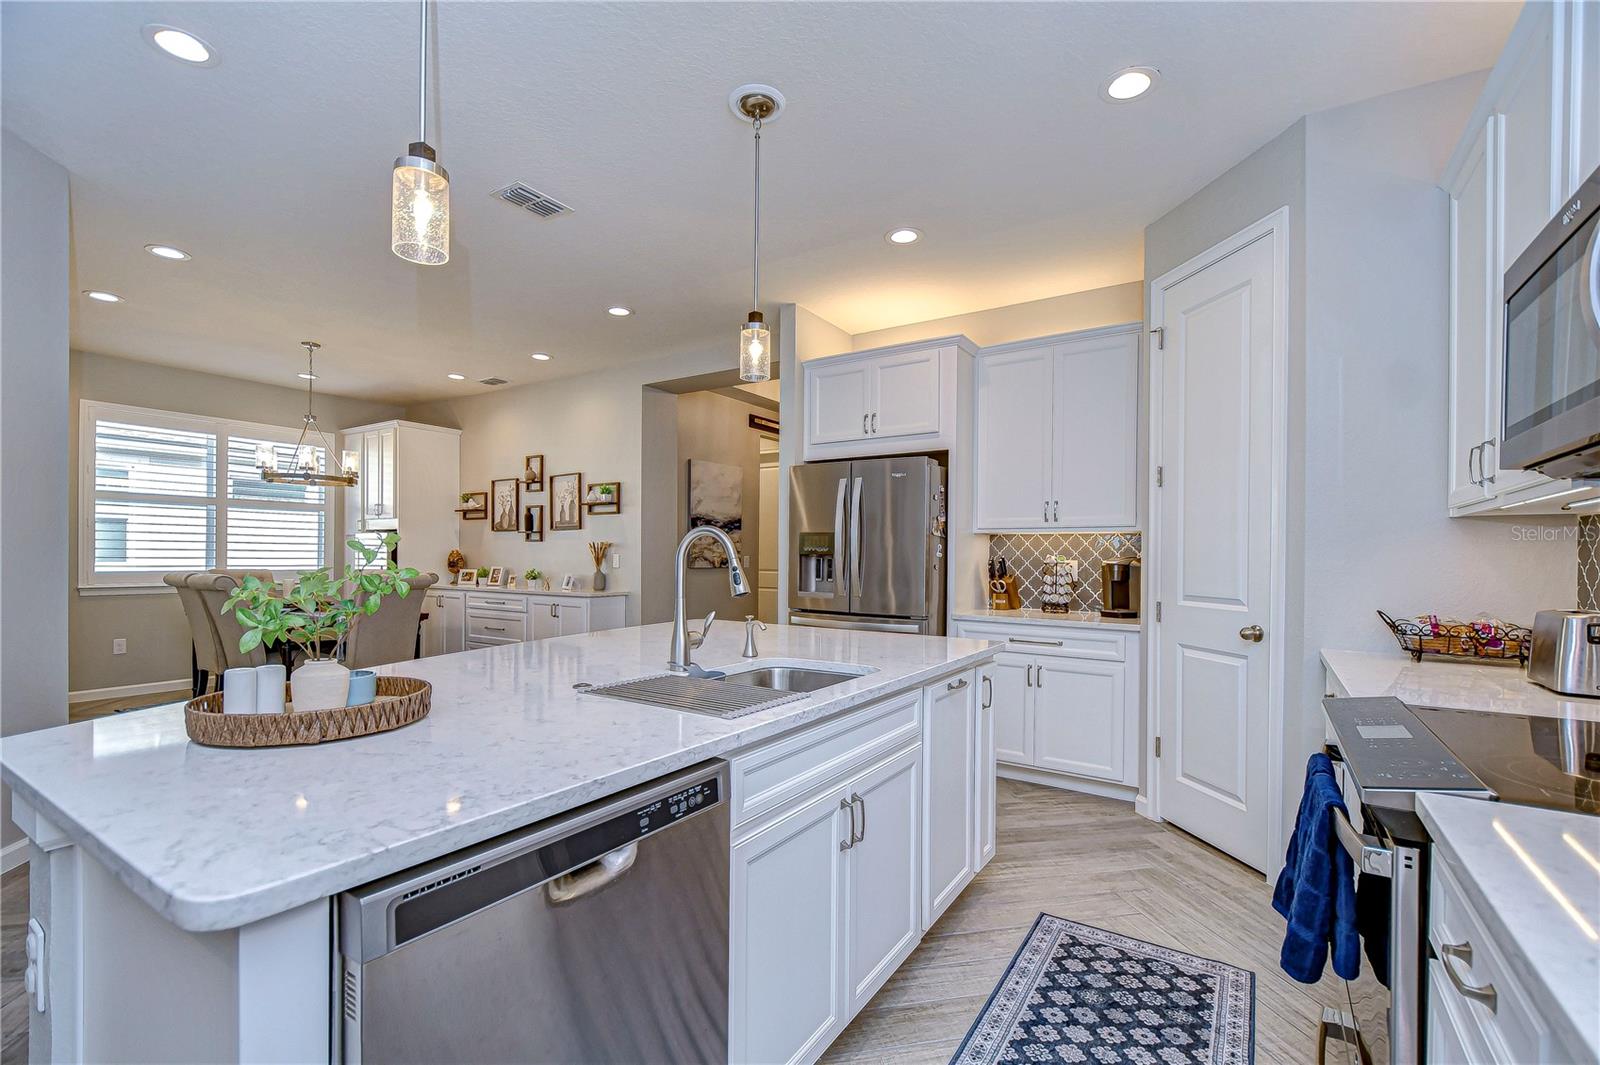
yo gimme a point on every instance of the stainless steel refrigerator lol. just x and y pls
(866, 545)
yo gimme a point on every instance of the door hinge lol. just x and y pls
(1158, 610)
(1158, 746)
(1161, 476)
(1160, 333)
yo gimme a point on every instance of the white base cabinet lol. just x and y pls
(467, 619)
(1065, 702)
(830, 875)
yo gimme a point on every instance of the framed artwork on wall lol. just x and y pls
(474, 506)
(566, 502)
(505, 516)
(533, 522)
(604, 497)
(533, 473)
(716, 499)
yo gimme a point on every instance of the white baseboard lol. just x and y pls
(1141, 806)
(1029, 775)
(123, 691)
(13, 855)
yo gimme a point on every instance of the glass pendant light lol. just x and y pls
(419, 220)
(755, 339)
(304, 467)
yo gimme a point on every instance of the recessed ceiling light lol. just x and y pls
(618, 312)
(456, 376)
(103, 297)
(1129, 83)
(903, 236)
(167, 251)
(180, 44)
(540, 356)
(306, 375)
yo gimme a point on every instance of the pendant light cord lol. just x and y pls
(756, 287)
(422, 79)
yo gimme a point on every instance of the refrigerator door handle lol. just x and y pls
(838, 539)
(855, 542)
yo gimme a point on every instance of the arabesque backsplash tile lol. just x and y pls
(1027, 554)
(1589, 562)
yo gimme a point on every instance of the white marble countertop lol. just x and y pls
(216, 838)
(1033, 616)
(1533, 878)
(577, 593)
(1454, 685)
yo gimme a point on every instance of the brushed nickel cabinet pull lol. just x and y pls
(1485, 993)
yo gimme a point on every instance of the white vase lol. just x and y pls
(319, 685)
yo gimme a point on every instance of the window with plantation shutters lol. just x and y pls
(164, 491)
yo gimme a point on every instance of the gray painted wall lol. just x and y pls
(154, 624)
(33, 445)
(717, 429)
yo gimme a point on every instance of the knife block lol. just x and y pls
(1004, 594)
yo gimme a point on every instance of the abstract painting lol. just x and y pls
(716, 492)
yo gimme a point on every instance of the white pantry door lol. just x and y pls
(1214, 547)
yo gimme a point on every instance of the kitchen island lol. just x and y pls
(216, 867)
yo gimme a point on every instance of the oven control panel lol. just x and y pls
(1390, 754)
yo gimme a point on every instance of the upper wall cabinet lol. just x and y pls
(1057, 433)
(409, 485)
(882, 402)
(1533, 137)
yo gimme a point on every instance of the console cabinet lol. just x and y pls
(461, 619)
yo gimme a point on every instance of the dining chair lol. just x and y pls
(206, 661)
(214, 587)
(390, 635)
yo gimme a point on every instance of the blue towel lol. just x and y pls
(1316, 891)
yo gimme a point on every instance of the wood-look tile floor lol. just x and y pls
(1095, 861)
(106, 707)
(1077, 856)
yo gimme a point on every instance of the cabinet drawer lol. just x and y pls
(505, 604)
(1037, 640)
(1511, 1030)
(509, 629)
(769, 777)
(476, 642)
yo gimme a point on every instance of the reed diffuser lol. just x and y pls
(597, 551)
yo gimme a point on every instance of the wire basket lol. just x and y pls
(1481, 641)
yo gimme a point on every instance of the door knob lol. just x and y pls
(1253, 633)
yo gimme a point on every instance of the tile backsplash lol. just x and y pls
(1027, 554)
(1589, 562)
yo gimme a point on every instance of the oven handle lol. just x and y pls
(1369, 854)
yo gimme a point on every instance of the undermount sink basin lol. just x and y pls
(792, 678)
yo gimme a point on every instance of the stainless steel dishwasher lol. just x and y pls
(597, 936)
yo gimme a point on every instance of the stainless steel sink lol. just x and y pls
(792, 678)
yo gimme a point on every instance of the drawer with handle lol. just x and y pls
(1040, 640)
(512, 629)
(505, 604)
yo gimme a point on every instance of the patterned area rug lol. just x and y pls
(1075, 993)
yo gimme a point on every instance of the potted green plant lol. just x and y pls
(316, 610)
(534, 575)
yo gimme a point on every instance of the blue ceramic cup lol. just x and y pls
(363, 687)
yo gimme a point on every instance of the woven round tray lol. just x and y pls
(401, 700)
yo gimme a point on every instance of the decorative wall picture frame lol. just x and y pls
(505, 512)
(474, 506)
(566, 502)
(716, 491)
(497, 576)
(533, 472)
(603, 497)
(533, 522)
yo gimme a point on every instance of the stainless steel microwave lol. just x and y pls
(1551, 391)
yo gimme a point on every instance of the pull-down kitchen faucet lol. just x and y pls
(683, 641)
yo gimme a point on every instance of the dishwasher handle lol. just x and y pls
(606, 869)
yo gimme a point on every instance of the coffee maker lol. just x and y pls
(1119, 588)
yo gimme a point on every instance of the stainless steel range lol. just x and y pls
(1385, 752)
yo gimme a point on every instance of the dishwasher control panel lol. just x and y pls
(677, 806)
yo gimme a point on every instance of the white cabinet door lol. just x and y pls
(387, 448)
(1079, 717)
(949, 735)
(904, 394)
(986, 766)
(1531, 108)
(1015, 412)
(572, 617)
(1583, 95)
(787, 931)
(1473, 280)
(1011, 688)
(433, 626)
(883, 893)
(544, 619)
(837, 401)
(453, 622)
(1096, 388)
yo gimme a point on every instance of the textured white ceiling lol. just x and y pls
(979, 123)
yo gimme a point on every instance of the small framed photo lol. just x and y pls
(533, 472)
(505, 516)
(533, 523)
(474, 506)
(604, 497)
(467, 578)
(566, 501)
(569, 583)
(497, 576)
